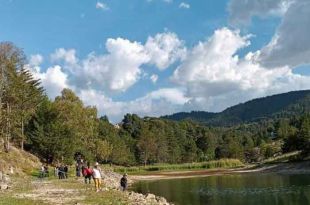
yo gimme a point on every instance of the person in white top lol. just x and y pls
(97, 177)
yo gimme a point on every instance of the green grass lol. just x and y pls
(223, 163)
(105, 197)
(9, 200)
(287, 157)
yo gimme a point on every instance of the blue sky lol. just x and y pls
(186, 32)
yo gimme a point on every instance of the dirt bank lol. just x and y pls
(284, 168)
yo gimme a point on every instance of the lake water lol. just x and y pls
(249, 189)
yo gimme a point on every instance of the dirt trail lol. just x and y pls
(49, 193)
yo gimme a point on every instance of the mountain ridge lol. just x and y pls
(283, 104)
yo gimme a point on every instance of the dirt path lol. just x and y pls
(48, 192)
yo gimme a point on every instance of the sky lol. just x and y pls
(158, 57)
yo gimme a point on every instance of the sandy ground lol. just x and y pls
(284, 168)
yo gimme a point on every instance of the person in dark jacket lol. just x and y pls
(61, 174)
(123, 182)
(66, 169)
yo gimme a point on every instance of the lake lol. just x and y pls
(235, 189)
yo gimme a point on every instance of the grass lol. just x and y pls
(105, 197)
(21, 161)
(222, 163)
(20, 185)
(9, 200)
(287, 157)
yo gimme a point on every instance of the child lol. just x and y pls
(123, 182)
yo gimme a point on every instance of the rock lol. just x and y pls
(150, 197)
(161, 200)
(6, 178)
(1, 176)
(4, 186)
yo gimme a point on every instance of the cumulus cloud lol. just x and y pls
(36, 60)
(164, 49)
(54, 80)
(291, 43)
(61, 54)
(121, 67)
(160, 102)
(117, 70)
(184, 5)
(241, 11)
(102, 6)
(290, 46)
(215, 77)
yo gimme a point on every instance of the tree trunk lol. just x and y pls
(22, 140)
(8, 126)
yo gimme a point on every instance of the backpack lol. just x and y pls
(89, 171)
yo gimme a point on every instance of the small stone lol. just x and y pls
(162, 200)
(4, 186)
(150, 197)
(5, 178)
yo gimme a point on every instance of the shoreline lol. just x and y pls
(281, 168)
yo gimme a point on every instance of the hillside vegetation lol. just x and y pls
(283, 105)
(18, 161)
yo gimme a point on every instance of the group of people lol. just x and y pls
(44, 171)
(85, 170)
(96, 174)
(61, 171)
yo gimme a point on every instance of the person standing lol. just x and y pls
(97, 177)
(61, 173)
(42, 171)
(78, 170)
(66, 169)
(88, 173)
(123, 182)
(56, 171)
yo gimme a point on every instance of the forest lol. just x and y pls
(57, 129)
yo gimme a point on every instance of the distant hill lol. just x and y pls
(275, 106)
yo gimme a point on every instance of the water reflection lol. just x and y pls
(233, 189)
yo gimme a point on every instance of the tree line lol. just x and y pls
(56, 130)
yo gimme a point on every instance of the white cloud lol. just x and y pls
(117, 70)
(36, 60)
(160, 102)
(291, 43)
(121, 66)
(164, 49)
(184, 5)
(102, 6)
(61, 54)
(154, 78)
(241, 11)
(290, 46)
(54, 80)
(215, 77)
